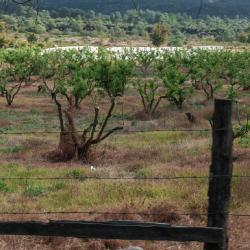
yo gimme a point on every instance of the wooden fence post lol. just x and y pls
(220, 171)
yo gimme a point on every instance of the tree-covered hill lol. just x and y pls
(210, 7)
(222, 8)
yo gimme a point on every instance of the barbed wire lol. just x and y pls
(122, 213)
(84, 178)
(121, 131)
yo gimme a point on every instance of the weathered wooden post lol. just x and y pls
(220, 171)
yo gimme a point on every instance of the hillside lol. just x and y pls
(210, 7)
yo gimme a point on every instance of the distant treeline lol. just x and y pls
(222, 8)
(182, 27)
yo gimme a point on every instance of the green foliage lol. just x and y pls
(76, 174)
(65, 21)
(59, 185)
(146, 84)
(143, 173)
(244, 72)
(206, 72)
(33, 190)
(176, 38)
(174, 71)
(211, 70)
(211, 7)
(235, 71)
(69, 71)
(4, 42)
(244, 37)
(2, 27)
(147, 90)
(145, 61)
(20, 63)
(32, 38)
(16, 67)
(112, 73)
(159, 35)
(244, 141)
(11, 150)
(77, 74)
(3, 187)
(72, 76)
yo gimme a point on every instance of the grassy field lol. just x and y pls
(142, 154)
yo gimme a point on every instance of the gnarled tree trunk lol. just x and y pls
(66, 149)
(72, 145)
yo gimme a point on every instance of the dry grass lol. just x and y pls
(137, 155)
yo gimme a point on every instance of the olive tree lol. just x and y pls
(230, 74)
(232, 67)
(159, 34)
(244, 71)
(206, 72)
(16, 68)
(73, 76)
(146, 82)
(174, 71)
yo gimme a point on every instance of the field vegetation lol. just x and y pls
(68, 26)
(103, 115)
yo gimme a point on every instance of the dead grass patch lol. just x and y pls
(5, 123)
(109, 155)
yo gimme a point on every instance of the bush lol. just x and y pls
(3, 187)
(159, 35)
(33, 190)
(32, 38)
(4, 42)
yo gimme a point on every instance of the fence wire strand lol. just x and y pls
(128, 178)
(121, 132)
(121, 213)
(84, 178)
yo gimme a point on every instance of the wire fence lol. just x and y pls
(84, 178)
(122, 131)
(126, 178)
(179, 213)
(122, 178)
(106, 213)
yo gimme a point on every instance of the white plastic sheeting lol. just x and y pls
(120, 50)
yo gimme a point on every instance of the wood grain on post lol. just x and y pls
(220, 187)
(121, 230)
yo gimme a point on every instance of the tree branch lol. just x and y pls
(108, 134)
(95, 123)
(60, 113)
(106, 119)
(158, 103)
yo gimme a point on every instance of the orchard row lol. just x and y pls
(72, 76)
